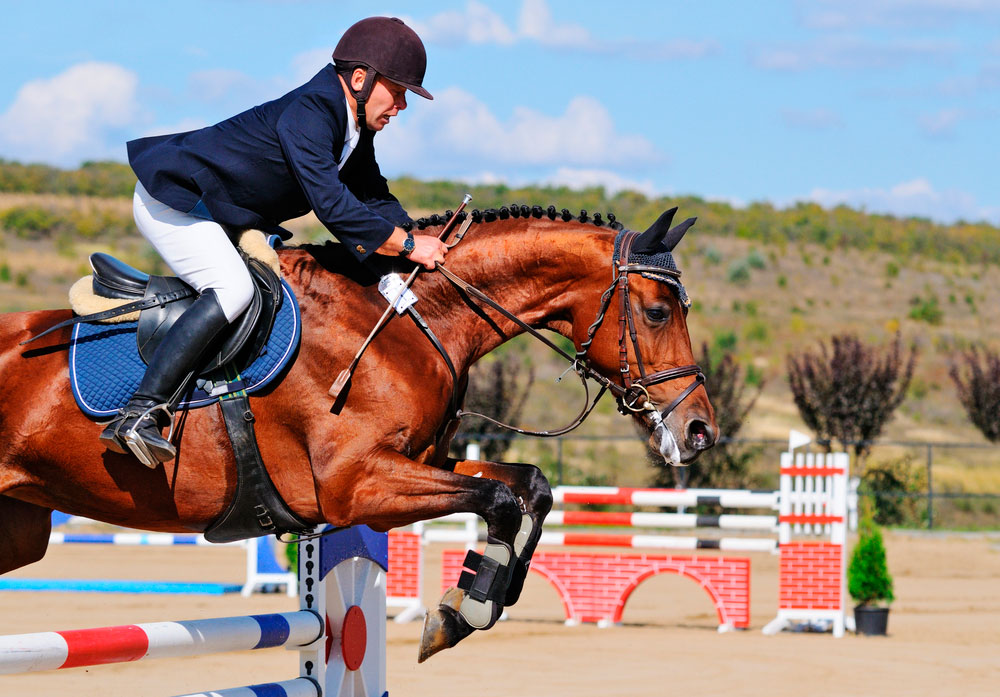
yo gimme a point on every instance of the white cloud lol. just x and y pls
(932, 14)
(456, 129)
(851, 53)
(812, 119)
(234, 88)
(916, 197)
(80, 113)
(568, 177)
(941, 123)
(181, 126)
(611, 181)
(478, 24)
(306, 64)
(536, 22)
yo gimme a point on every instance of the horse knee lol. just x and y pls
(501, 510)
(541, 493)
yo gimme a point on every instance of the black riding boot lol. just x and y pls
(137, 426)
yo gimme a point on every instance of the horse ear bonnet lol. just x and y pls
(654, 248)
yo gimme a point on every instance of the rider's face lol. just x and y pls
(385, 101)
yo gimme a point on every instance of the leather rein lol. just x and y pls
(633, 394)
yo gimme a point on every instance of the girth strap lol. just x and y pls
(256, 508)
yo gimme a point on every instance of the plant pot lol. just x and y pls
(871, 620)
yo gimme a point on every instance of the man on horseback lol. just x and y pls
(311, 149)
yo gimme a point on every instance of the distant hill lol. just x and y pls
(765, 282)
(837, 228)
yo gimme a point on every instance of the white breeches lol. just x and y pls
(198, 250)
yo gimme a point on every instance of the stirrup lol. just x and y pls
(134, 441)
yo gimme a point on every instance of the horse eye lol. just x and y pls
(655, 314)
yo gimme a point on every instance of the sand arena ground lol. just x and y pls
(944, 634)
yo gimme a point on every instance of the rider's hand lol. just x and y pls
(427, 250)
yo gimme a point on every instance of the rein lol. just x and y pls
(632, 395)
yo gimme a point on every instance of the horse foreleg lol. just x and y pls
(397, 491)
(535, 496)
(24, 533)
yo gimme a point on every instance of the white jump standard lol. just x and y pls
(339, 629)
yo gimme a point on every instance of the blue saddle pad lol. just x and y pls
(105, 367)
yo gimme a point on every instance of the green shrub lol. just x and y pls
(893, 488)
(738, 272)
(724, 341)
(28, 221)
(757, 330)
(868, 578)
(926, 310)
(755, 260)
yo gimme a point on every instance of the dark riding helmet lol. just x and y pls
(382, 46)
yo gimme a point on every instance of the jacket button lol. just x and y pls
(361, 250)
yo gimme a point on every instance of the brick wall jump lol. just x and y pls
(595, 587)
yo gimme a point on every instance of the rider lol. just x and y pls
(311, 149)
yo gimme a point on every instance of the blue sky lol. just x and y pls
(890, 105)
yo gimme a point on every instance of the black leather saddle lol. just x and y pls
(240, 343)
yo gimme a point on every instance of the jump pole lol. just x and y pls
(339, 629)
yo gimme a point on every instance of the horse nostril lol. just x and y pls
(699, 435)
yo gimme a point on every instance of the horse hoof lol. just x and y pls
(443, 627)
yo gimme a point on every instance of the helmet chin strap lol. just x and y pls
(361, 96)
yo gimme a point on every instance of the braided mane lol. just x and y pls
(515, 211)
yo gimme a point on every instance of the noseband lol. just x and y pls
(632, 395)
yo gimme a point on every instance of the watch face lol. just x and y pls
(408, 244)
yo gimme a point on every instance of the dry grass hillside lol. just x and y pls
(765, 300)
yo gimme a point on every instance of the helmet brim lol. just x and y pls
(416, 89)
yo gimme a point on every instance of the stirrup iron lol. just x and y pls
(135, 443)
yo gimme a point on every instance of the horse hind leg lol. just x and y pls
(24, 533)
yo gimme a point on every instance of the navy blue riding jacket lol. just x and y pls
(274, 162)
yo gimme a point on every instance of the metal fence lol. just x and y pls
(948, 485)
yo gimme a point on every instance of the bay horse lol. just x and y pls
(382, 459)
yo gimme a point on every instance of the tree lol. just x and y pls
(494, 391)
(727, 464)
(976, 375)
(848, 391)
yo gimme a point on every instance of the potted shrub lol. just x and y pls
(868, 579)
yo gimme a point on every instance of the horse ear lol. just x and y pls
(649, 241)
(675, 235)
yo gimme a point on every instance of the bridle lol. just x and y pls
(632, 396)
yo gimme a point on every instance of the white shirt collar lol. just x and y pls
(351, 136)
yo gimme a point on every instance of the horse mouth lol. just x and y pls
(676, 450)
(661, 439)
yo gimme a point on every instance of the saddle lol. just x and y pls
(167, 297)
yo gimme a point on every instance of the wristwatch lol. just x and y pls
(408, 245)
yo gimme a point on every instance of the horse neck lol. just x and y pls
(543, 272)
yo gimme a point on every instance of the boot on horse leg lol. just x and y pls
(530, 485)
(478, 601)
(137, 428)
